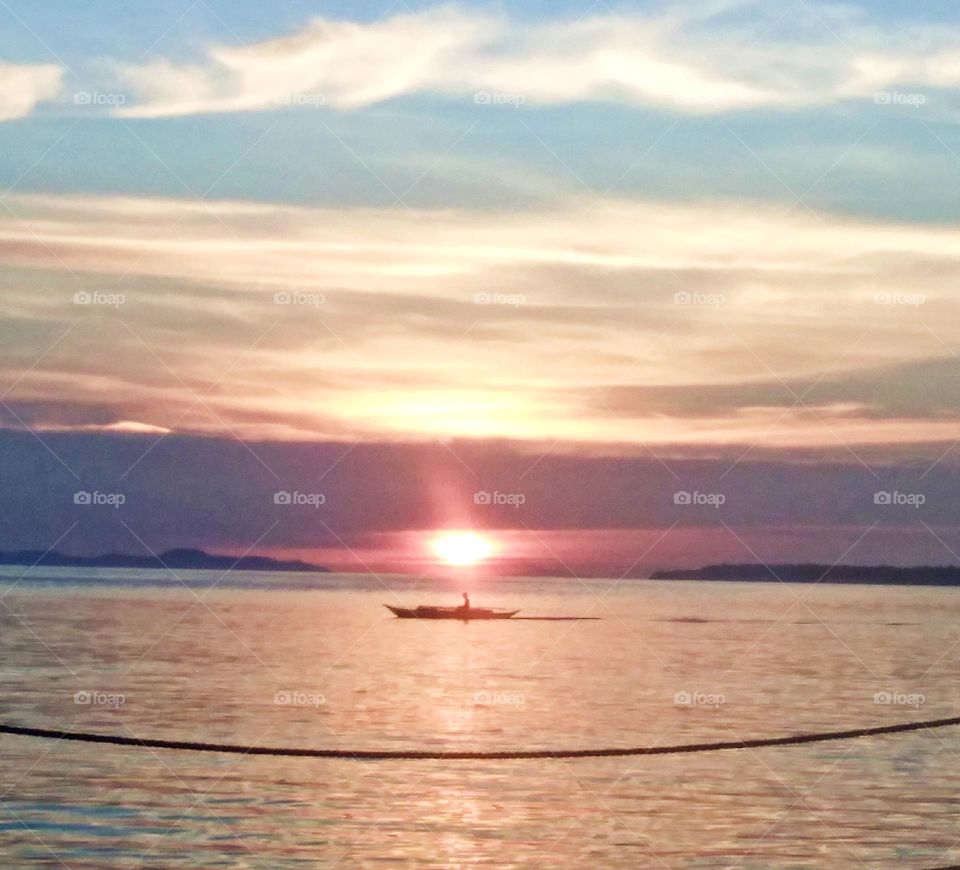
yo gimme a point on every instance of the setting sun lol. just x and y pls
(462, 548)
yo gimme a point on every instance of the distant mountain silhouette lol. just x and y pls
(182, 558)
(885, 575)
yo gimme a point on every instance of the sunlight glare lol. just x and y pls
(462, 548)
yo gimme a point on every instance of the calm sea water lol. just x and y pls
(288, 660)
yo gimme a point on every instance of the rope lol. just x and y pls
(461, 755)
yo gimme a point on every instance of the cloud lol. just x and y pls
(340, 62)
(622, 322)
(22, 86)
(426, 250)
(925, 389)
(599, 513)
(703, 62)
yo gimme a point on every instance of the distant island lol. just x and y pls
(882, 575)
(185, 559)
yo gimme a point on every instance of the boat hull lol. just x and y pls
(461, 613)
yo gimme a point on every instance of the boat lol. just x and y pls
(464, 613)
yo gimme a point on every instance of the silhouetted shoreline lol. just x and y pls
(882, 575)
(185, 559)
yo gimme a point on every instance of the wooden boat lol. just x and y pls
(464, 613)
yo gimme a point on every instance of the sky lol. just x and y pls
(590, 257)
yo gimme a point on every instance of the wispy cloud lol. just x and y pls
(424, 248)
(705, 323)
(22, 86)
(696, 63)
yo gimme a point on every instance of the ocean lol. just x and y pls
(266, 659)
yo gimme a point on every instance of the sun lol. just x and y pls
(462, 548)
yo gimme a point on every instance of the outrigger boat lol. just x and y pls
(465, 613)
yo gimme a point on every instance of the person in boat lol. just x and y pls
(466, 602)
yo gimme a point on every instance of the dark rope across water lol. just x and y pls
(466, 755)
